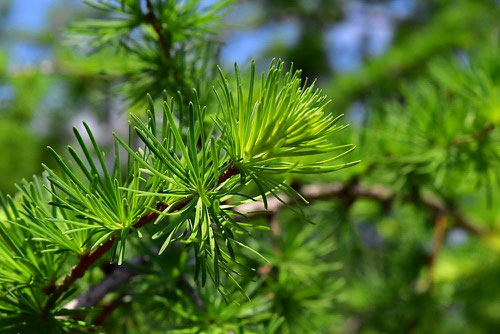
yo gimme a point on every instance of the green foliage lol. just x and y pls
(3, 62)
(184, 174)
(26, 266)
(99, 200)
(407, 241)
(287, 120)
(438, 135)
(457, 134)
(168, 44)
(454, 26)
(21, 156)
(290, 293)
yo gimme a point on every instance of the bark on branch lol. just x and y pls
(162, 39)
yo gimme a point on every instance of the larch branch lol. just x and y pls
(88, 259)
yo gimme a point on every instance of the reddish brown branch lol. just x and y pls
(227, 174)
(88, 259)
(107, 309)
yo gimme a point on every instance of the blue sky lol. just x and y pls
(342, 40)
(29, 14)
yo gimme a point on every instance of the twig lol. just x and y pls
(107, 310)
(439, 234)
(436, 205)
(118, 276)
(380, 193)
(315, 192)
(163, 41)
(476, 135)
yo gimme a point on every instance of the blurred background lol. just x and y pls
(413, 237)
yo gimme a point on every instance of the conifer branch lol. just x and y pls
(352, 191)
(88, 259)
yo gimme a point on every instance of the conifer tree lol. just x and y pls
(237, 203)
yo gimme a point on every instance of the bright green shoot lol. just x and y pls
(269, 129)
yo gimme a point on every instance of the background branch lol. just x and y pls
(162, 40)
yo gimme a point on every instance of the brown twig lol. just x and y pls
(165, 42)
(315, 192)
(107, 309)
(227, 174)
(162, 40)
(88, 259)
(380, 193)
(476, 135)
(437, 244)
(438, 206)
